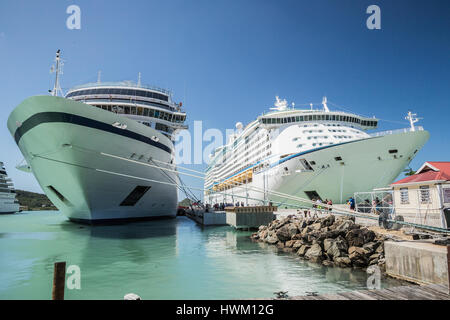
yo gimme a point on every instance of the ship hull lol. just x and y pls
(339, 171)
(89, 168)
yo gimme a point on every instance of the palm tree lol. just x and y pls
(409, 171)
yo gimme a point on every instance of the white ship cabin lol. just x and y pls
(7, 190)
(282, 132)
(148, 105)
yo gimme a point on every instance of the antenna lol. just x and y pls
(324, 103)
(139, 79)
(57, 69)
(99, 75)
(280, 105)
(311, 105)
(412, 117)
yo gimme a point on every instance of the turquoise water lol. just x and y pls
(165, 259)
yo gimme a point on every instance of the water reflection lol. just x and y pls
(163, 259)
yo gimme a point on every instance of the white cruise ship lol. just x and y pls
(96, 151)
(8, 202)
(308, 154)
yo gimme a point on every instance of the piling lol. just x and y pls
(59, 279)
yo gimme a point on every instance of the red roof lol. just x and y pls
(430, 171)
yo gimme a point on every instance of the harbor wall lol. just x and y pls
(419, 262)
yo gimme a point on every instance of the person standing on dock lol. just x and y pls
(351, 202)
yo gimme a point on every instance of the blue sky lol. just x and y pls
(226, 60)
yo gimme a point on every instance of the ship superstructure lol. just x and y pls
(8, 202)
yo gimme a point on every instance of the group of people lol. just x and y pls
(221, 206)
(319, 206)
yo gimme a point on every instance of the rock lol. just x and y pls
(336, 247)
(328, 221)
(297, 236)
(293, 229)
(355, 238)
(297, 244)
(301, 252)
(283, 233)
(280, 245)
(358, 256)
(305, 231)
(342, 262)
(263, 234)
(315, 226)
(370, 246)
(380, 248)
(374, 256)
(346, 225)
(272, 238)
(328, 263)
(289, 243)
(368, 235)
(314, 253)
(327, 244)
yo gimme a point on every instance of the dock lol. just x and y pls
(207, 218)
(411, 292)
(249, 217)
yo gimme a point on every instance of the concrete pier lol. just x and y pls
(419, 262)
(249, 217)
(212, 218)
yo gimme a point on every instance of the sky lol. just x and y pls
(227, 60)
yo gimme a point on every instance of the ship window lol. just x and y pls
(312, 163)
(162, 127)
(135, 196)
(338, 158)
(140, 111)
(156, 114)
(60, 196)
(393, 151)
(145, 112)
(127, 110)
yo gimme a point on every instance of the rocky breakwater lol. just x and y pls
(331, 241)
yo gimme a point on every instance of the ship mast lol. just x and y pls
(57, 70)
(412, 117)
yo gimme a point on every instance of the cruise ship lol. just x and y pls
(291, 156)
(8, 202)
(98, 151)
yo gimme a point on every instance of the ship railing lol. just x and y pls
(128, 84)
(388, 132)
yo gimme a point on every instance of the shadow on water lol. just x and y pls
(129, 230)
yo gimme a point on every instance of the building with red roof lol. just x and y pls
(424, 197)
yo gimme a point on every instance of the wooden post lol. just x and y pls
(59, 280)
